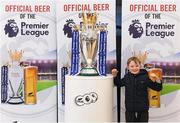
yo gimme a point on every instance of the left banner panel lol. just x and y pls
(28, 61)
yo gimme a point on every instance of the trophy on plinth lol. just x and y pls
(15, 78)
(89, 37)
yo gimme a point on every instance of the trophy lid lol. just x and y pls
(15, 55)
(89, 18)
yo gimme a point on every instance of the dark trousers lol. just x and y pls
(142, 116)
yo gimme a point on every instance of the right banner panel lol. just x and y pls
(150, 31)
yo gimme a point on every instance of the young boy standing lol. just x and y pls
(136, 83)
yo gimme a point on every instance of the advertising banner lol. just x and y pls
(150, 31)
(28, 61)
(86, 39)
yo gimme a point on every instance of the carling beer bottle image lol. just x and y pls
(30, 84)
(154, 96)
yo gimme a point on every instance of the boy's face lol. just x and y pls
(134, 68)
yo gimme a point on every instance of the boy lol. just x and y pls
(136, 83)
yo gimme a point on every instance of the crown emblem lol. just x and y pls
(70, 21)
(135, 21)
(11, 21)
(89, 18)
(15, 55)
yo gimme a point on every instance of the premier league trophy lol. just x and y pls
(92, 37)
(15, 92)
(88, 69)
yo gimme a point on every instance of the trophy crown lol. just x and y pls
(15, 55)
(89, 18)
(11, 20)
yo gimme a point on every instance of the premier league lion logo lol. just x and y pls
(135, 29)
(68, 28)
(11, 28)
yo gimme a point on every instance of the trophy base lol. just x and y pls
(15, 100)
(89, 72)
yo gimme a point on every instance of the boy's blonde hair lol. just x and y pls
(133, 58)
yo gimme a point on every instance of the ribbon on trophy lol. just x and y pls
(75, 53)
(102, 53)
(4, 83)
(64, 71)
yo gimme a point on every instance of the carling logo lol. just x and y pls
(86, 99)
(135, 29)
(11, 29)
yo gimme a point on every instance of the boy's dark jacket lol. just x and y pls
(136, 90)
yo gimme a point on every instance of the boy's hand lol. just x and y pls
(114, 72)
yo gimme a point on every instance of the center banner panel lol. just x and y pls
(86, 39)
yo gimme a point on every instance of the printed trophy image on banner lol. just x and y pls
(150, 30)
(20, 82)
(86, 38)
(28, 61)
(15, 78)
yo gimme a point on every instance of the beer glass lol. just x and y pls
(154, 96)
(30, 84)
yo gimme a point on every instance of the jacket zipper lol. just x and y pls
(134, 92)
